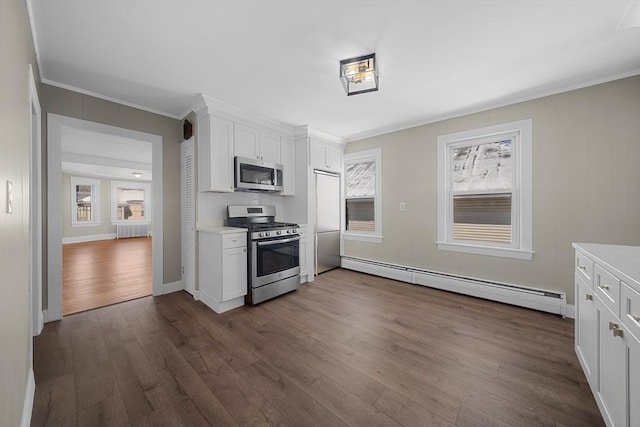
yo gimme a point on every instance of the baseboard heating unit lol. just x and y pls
(132, 230)
(534, 298)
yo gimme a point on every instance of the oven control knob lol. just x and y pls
(261, 234)
(267, 234)
(278, 232)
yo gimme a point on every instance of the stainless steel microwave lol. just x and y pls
(257, 175)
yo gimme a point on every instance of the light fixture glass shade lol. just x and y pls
(136, 174)
(359, 75)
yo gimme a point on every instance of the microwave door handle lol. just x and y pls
(277, 242)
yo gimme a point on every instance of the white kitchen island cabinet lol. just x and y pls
(607, 334)
(222, 272)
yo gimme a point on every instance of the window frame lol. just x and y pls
(96, 206)
(520, 133)
(374, 154)
(131, 185)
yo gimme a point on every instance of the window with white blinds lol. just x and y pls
(484, 191)
(85, 201)
(363, 196)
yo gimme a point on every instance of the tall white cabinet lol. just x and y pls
(607, 328)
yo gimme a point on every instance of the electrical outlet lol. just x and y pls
(9, 197)
(403, 206)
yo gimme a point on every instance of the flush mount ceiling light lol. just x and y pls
(359, 75)
(136, 174)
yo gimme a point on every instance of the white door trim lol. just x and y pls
(35, 207)
(55, 123)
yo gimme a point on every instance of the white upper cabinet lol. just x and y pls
(246, 141)
(255, 144)
(215, 149)
(269, 148)
(325, 156)
(288, 160)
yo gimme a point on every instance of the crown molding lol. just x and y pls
(487, 107)
(205, 104)
(108, 98)
(34, 36)
(307, 131)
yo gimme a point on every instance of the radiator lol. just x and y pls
(132, 230)
(534, 298)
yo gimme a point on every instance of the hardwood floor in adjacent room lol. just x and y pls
(96, 274)
(347, 349)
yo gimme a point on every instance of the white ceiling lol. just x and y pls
(97, 154)
(279, 59)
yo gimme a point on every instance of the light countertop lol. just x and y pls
(624, 261)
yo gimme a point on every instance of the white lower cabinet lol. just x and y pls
(222, 270)
(607, 316)
(303, 254)
(585, 325)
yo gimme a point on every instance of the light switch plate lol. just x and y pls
(9, 197)
(403, 206)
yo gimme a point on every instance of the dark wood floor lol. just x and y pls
(104, 272)
(348, 349)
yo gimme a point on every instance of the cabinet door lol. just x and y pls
(317, 153)
(633, 369)
(234, 273)
(334, 159)
(269, 148)
(288, 159)
(585, 325)
(246, 141)
(215, 148)
(612, 374)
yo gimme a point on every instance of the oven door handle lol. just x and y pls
(277, 242)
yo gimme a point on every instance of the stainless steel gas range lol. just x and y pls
(273, 263)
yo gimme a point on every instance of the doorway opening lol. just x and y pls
(105, 215)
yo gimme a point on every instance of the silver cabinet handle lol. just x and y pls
(603, 286)
(582, 267)
(636, 318)
(588, 297)
(617, 332)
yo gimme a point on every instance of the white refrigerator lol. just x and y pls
(327, 230)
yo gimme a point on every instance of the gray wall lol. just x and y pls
(16, 52)
(586, 185)
(73, 104)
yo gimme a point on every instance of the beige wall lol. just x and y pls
(106, 227)
(73, 104)
(586, 185)
(105, 210)
(16, 52)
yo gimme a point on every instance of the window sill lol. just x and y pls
(86, 224)
(132, 221)
(486, 250)
(370, 238)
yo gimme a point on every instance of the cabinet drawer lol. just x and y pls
(584, 266)
(630, 309)
(235, 240)
(607, 287)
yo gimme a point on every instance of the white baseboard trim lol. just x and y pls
(168, 288)
(27, 406)
(569, 311)
(533, 298)
(91, 238)
(218, 306)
